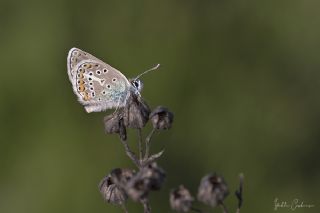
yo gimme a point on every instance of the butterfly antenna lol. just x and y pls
(145, 72)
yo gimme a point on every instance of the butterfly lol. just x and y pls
(97, 85)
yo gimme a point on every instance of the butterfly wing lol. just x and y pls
(97, 85)
(76, 56)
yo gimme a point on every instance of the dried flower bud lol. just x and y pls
(137, 189)
(148, 178)
(111, 192)
(161, 118)
(136, 113)
(121, 176)
(212, 190)
(155, 176)
(181, 199)
(114, 124)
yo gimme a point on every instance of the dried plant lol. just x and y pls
(212, 192)
(121, 184)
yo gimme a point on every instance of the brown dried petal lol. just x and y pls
(136, 113)
(114, 124)
(212, 190)
(111, 192)
(181, 199)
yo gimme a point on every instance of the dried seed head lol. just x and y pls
(114, 124)
(155, 176)
(121, 176)
(137, 189)
(111, 192)
(181, 199)
(212, 190)
(148, 178)
(161, 118)
(136, 113)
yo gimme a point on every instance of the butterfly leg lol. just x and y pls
(117, 107)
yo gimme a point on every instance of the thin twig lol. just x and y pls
(124, 208)
(130, 154)
(238, 210)
(224, 207)
(152, 159)
(238, 193)
(148, 140)
(140, 145)
(146, 206)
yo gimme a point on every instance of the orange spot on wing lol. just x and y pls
(86, 96)
(81, 88)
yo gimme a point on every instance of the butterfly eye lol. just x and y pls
(90, 83)
(114, 79)
(103, 92)
(91, 88)
(98, 72)
(105, 70)
(90, 79)
(108, 86)
(93, 94)
(136, 84)
(90, 73)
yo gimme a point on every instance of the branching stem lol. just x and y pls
(130, 154)
(148, 142)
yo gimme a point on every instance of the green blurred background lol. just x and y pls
(242, 78)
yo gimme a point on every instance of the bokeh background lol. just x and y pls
(242, 77)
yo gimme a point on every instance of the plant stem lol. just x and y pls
(124, 208)
(148, 140)
(140, 145)
(130, 154)
(224, 207)
(239, 193)
(146, 206)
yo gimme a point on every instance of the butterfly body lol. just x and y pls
(97, 85)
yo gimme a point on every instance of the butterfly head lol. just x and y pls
(137, 84)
